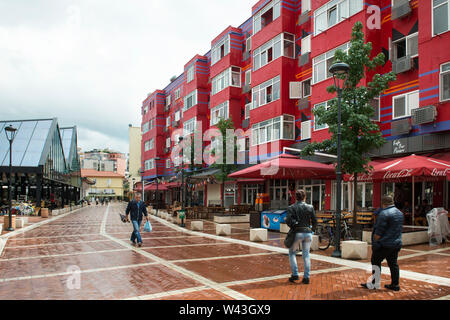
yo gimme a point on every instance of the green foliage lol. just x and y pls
(225, 169)
(359, 133)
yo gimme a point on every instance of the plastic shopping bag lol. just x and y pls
(148, 227)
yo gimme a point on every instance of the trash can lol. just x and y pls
(255, 219)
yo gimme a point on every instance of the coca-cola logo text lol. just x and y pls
(400, 174)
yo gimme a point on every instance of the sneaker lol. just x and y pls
(140, 244)
(305, 281)
(293, 279)
(392, 287)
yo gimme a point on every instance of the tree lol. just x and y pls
(359, 133)
(225, 168)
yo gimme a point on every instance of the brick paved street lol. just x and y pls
(177, 263)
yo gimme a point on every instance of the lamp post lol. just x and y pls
(142, 181)
(180, 139)
(340, 73)
(157, 184)
(10, 135)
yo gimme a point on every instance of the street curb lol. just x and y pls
(4, 238)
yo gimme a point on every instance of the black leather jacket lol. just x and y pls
(301, 216)
(137, 213)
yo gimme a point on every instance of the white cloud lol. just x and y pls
(92, 63)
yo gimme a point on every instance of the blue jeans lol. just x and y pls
(306, 239)
(136, 234)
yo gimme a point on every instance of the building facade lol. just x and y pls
(134, 155)
(104, 185)
(269, 73)
(105, 160)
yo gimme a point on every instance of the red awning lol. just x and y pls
(363, 177)
(286, 166)
(250, 181)
(152, 187)
(411, 166)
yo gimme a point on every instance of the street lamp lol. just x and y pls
(180, 140)
(10, 135)
(340, 71)
(157, 183)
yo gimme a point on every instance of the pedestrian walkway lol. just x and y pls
(176, 263)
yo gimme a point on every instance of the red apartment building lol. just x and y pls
(269, 73)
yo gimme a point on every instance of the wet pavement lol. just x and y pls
(87, 255)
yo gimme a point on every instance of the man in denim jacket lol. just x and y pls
(137, 210)
(387, 241)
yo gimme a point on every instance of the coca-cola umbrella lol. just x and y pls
(411, 168)
(286, 166)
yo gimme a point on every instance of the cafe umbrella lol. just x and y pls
(414, 168)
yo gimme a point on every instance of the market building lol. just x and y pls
(270, 72)
(45, 164)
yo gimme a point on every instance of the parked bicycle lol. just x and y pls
(327, 230)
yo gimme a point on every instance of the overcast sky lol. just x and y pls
(91, 63)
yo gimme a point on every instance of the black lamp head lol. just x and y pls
(10, 132)
(339, 68)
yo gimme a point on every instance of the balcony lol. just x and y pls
(402, 65)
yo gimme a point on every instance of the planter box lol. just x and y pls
(44, 212)
(232, 219)
(408, 238)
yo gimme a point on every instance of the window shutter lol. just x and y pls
(295, 90)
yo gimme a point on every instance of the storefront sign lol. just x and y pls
(440, 173)
(401, 174)
(398, 147)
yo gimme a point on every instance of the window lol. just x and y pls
(168, 100)
(322, 64)
(441, 16)
(306, 45)
(220, 50)
(168, 121)
(249, 193)
(231, 76)
(334, 12)
(404, 103)
(219, 112)
(190, 100)
(145, 128)
(248, 44)
(151, 124)
(248, 77)
(317, 124)
(407, 46)
(190, 74)
(266, 93)
(190, 126)
(281, 45)
(247, 110)
(306, 5)
(149, 145)
(265, 16)
(149, 164)
(177, 94)
(177, 116)
(145, 109)
(168, 164)
(273, 130)
(306, 88)
(168, 143)
(445, 82)
(279, 193)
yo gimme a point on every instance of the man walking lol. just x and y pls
(300, 217)
(136, 209)
(387, 243)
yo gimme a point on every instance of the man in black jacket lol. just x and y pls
(301, 217)
(386, 244)
(138, 210)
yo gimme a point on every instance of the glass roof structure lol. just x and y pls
(29, 143)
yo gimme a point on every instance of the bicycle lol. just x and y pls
(326, 232)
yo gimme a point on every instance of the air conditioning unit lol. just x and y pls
(304, 59)
(400, 9)
(303, 18)
(400, 127)
(303, 103)
(402, 65)
(424, 115)
(247, 88)
(176, 124)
